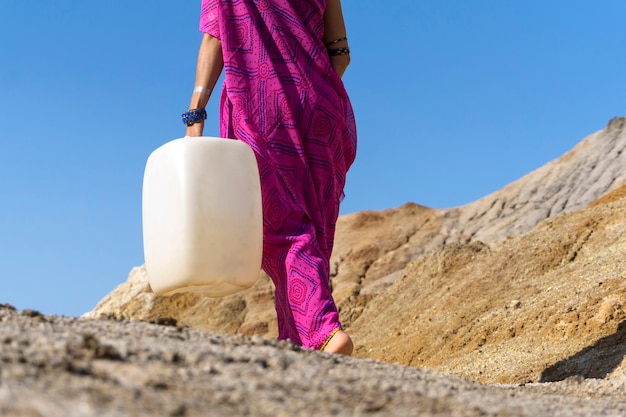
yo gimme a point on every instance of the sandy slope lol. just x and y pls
(538, 307)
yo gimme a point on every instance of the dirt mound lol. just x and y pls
(544, 306)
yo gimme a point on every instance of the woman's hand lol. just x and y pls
(195, 129)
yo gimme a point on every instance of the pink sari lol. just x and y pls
(283, 98)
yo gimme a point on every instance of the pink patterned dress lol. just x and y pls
(283, 98)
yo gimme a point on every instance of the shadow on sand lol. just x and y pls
(595, 361)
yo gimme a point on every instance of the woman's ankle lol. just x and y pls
(340, 343)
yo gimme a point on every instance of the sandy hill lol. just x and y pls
(524, 285)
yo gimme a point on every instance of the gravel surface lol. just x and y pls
(63, 366)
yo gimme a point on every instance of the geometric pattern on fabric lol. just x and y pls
(282, 97)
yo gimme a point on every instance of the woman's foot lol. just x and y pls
(340, 343)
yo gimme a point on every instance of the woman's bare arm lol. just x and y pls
(208, 70)
(335, 28)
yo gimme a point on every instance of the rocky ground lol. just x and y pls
(58, 366)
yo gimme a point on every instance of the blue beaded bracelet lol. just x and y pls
(193, 116)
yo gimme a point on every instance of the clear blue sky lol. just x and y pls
(454, 99)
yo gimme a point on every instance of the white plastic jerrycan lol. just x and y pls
(202, 217)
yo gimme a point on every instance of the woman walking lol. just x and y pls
(283, 96)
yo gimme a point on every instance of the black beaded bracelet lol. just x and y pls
(336, 41)
(339, 51)
(193, 116)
